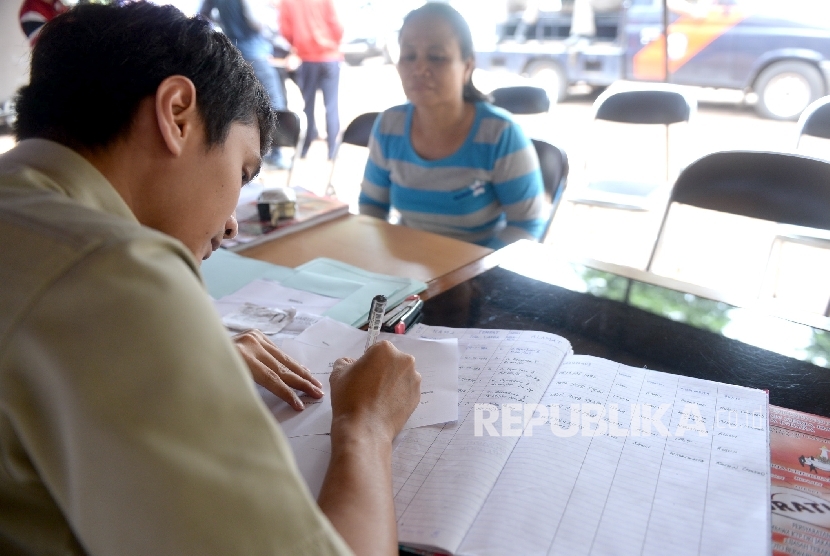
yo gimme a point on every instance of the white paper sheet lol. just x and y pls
(268, 293)
(322, 343)
(312, 454)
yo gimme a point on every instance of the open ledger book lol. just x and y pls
(658, 463)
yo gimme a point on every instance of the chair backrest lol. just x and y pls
(521, 99)
(553, 163)
(359, 129)
(815, 120)
(643, 106)
(785, 188)
(290, 132)
(356, 133)
(289, 129)
(649, 104)
(780, 187)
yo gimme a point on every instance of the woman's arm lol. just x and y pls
(374, 197)
(517, 181)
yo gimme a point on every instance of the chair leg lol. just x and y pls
(330, 191)
(772, 281)
(659, 239)
(668, 171)
(291, 169)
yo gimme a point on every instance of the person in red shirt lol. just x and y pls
(35, 13)
(314, 31)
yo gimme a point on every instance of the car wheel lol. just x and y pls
(550, 76)
(785, 89)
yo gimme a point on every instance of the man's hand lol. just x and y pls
(371, 399)
(380, 391)
(274, 370)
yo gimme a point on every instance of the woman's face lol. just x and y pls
(431, 67)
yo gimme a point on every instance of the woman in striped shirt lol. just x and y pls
(448, 161)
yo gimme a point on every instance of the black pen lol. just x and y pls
(393, 315)
(408, 318)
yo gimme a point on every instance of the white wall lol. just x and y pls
(14, 50)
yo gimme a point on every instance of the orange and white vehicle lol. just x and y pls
(778, 50)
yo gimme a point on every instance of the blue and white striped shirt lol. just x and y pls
(488, 192)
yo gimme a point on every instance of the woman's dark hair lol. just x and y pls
(462, 33)
(92, 66)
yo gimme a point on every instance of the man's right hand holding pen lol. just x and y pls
(371, 399)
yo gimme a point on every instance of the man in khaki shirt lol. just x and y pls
(129, 422)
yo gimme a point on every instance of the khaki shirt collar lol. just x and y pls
(64, 171)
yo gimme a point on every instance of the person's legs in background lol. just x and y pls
(271, 80)
(308, 75)
(330, 84)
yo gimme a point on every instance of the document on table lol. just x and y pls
(354, 309)
(633, 461)
(268, 293)
(326, 341)
(352, 288)
(305, 306)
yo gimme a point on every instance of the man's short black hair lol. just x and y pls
(93, 65)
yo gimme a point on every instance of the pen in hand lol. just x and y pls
(375, 319)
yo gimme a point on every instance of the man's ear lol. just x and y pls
(176, 112)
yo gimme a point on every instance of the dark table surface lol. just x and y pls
(646, 322)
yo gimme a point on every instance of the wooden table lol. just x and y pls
(377, 246)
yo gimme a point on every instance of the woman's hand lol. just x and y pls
(274, 370)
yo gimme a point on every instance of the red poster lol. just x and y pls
(800, 460)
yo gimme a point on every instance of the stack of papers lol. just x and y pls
(349, 288)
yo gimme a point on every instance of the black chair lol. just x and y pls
(814, 121)
(785, 188)
(553, 163)
(657, 104)
(290, 132)
(521, 99)
(356, 133)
